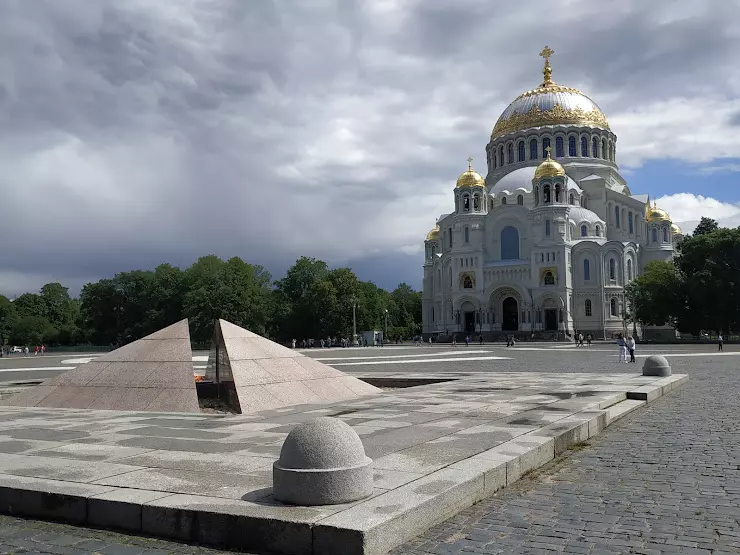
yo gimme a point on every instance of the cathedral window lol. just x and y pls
(503, 200)
(533, 149)
(510, 152)
(492, 160)
(613, 306)
(586, 270)
(598, 231)
(466, 203)
(449, 235)
(467, 282)
(616, 216)
(584, 231)
(476, 202)
(501, 155)
(549, 278)
(467, 234)
(655, 235)
(604, 152)
(594, 148)
(629, 269)
(509, 243)
(520, 200)
(612, 269)
(545, 145)
(557, 192)
(559, 148)
(587, 305)
(572, 199)
(631, 223)
(584, 147)
(536, 196)
(522, 151)
(665, 234)
(547, 227)
(546, 193)
(572, 146)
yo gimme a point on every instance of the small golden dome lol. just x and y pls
(433, 235)
(470, 177)
(655, 214)
(549, 168)
(675, 230)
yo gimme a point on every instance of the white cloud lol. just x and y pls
(686, 209)
(140, 132)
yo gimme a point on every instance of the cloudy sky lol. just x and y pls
(138, 132)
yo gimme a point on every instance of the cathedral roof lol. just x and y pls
(470, 177)
(579, 215)
(433, 235)
(549, 104)
(655, 214)
(549, 168)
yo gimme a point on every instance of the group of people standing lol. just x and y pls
(626, 345)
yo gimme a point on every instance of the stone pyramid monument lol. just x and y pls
(256, 374)
(152, 374)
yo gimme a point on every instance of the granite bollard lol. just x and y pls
(656, 365)
(322, 462)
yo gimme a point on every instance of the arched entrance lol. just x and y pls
(510, 316)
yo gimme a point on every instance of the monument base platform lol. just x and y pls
(207, 478)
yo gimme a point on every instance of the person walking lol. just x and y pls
(467, 341)
(580, 340)
(454, 341)
(588, 340)
(631, 347)
(720, 341)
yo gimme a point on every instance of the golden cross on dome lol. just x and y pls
(470, 164)
(548, 149)
(547, 71)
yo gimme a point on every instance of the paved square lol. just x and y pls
(690, 358)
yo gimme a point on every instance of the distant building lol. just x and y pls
(549, 239)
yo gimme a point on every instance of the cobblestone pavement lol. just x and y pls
(30, 536)
(665, 479)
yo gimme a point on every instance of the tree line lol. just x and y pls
(699, 290)
(310, 301)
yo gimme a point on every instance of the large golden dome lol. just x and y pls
(549, 104)
(675, 230)
(433, 235)
(655, 214)
(549, 168)
(470, 177)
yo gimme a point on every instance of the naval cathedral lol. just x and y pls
(545, 243)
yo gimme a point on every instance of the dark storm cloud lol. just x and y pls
(138, 132)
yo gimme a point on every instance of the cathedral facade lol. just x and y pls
(548, 240)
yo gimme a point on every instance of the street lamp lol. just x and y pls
(353, 300)
(385, 333)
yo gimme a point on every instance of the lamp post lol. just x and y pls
(353, 300)
(385, 333)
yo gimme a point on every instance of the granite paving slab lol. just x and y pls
(438, 448)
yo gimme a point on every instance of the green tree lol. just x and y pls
(706, 225)
(7, 316)
(232, 290)
(655, 296)
(300, 304)
(101, 306)
(709, 264)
